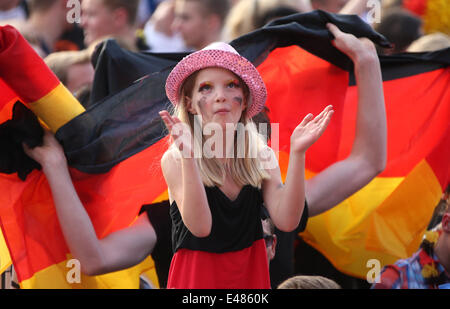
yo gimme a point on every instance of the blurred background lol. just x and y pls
(65, 32)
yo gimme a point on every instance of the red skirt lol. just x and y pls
(244, 269)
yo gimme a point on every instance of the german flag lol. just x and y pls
(387, 218)
(27, 216)
(19, 69)
(24, 77)
(114, 147)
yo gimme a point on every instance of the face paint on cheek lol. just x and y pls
(239, 100)
(201, 103)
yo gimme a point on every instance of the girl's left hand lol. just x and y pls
(309, 130)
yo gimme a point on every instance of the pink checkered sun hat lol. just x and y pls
(220, 55)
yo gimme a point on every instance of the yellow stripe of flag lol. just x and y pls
(5, 259)
(377, 222)
(57, 107)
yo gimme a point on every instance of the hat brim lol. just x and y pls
(223, 59)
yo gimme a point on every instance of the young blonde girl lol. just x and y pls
(216, 202)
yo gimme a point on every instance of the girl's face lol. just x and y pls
(217, 96)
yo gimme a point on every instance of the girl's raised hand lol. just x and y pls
(180, 132)
(310, 129)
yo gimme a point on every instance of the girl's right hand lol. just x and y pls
(180, 132)
(50, 155)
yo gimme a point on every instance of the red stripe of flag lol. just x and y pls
(22, 68)
(112, 200)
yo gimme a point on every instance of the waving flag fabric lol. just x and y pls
(27, 216)
(23, 73)
(386, 219)
(114, 147)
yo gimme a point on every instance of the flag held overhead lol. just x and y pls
(26, 74)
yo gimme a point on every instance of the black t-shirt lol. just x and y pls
(236, 224)
(281, 267)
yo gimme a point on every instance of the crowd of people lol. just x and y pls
(194, 26)
(186, 25)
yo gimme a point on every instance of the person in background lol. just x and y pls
(387, 5)
(101, 19)
(200, 22)
(308, 282)
(45, 25)
(274, 13)
(13, 10)
(73, 68)
(427, 268)
(145, 10)
(270, 238)
(429, 42)
(248, 15)
(159, 33)
(332, 6)
(401, 28)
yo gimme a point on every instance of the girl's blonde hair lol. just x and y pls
(246, 169)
